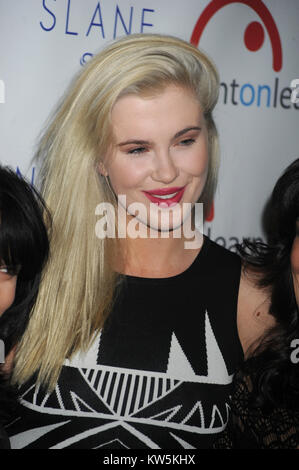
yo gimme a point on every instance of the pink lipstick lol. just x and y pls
(165, 197)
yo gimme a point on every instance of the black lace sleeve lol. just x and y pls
(250, 428)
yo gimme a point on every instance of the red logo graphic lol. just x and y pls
(254, 34)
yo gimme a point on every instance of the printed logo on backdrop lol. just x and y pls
(251, 94)
(267, 95)
(96, 20)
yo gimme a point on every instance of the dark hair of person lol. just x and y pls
(276, 377)
(24, 249)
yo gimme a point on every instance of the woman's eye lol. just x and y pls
(10, 270)
(137, 150)
(187, 142)
(5, 273)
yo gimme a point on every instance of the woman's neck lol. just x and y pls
(159, 257)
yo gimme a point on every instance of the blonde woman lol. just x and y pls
(139, 324)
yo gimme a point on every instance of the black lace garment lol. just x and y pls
(250, 428)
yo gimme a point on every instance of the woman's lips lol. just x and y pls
(165, 197)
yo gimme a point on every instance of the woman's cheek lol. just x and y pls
(7, 293)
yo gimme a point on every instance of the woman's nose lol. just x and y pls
(165, 170)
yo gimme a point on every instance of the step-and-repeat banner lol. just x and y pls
(254, 43)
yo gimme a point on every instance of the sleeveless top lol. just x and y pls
(157, 376)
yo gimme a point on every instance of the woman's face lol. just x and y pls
(159, 157)
(8, 284)
(295, 262)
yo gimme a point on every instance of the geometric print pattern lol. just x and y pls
(97, 406)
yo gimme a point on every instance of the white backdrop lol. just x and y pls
(254, 43)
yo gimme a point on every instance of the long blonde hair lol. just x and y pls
(78, 284)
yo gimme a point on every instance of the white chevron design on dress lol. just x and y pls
(128, 391)
(23, 439)
(196, 407)
(183, 443)
(167, 414)
(179, 366)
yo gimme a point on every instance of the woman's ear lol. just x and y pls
(102, 169)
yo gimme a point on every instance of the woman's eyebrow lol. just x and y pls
(147, 142)
(134, 141)
(187, 129)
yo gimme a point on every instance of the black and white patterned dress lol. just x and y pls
(159, 374)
